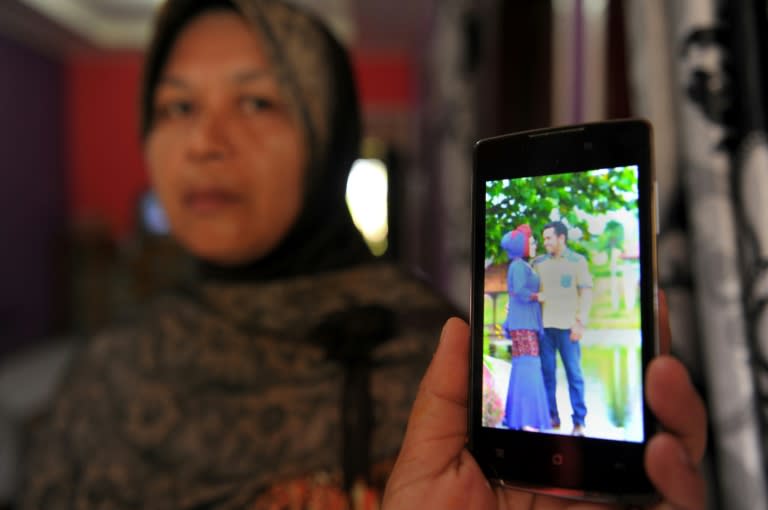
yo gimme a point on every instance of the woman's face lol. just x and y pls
(532, 247)
(225, 153)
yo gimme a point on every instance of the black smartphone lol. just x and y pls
(563, 309)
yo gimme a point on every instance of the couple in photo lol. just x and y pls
(549, 301)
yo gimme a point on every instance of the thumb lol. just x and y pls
(434, 470)
(437, 427)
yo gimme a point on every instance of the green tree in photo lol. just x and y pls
(611, 239)
(610, 242)
(533, 200)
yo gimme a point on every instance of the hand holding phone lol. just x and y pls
(435, 470)
(564, 414)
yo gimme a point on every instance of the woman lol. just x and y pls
(526, 407)
(285, 375)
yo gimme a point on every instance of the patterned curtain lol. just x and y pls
(697, 71)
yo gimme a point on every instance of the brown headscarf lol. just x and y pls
(316, 77)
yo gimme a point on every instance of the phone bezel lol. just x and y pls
(596, 469)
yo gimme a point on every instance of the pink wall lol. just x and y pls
(385, 80)
(104, 155)
(106, 170)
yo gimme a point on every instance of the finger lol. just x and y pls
(678, 407)
(438, 421)
(671, 471)
(665, 332)
(447, 375)
(434, 469)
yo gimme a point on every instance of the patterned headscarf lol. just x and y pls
(315, 76)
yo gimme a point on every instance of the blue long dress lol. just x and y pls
(526, 405)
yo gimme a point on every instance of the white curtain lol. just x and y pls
(689, 70)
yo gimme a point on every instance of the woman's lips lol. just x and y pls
(210, 201)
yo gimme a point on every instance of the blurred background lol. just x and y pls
(83, 243)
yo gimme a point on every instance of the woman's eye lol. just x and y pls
(175, 109)
(251, 104)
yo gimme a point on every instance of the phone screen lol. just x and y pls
(561, 331)
(563, 308)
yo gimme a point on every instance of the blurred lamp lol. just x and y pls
(367, 188)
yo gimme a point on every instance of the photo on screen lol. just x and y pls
(562, 337)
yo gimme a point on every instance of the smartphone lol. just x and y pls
(563, 309)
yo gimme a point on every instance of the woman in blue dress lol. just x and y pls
(526, 407)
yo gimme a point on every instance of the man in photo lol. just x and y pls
(566, 297)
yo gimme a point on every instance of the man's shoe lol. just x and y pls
(578, 430)
(555, 424)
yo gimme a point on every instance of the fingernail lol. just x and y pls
(442, 333)
(439, 341)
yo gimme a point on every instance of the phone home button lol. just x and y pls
(557, 459)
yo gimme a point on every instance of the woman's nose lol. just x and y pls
(209, 138)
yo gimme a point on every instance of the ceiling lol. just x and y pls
(76, 25)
